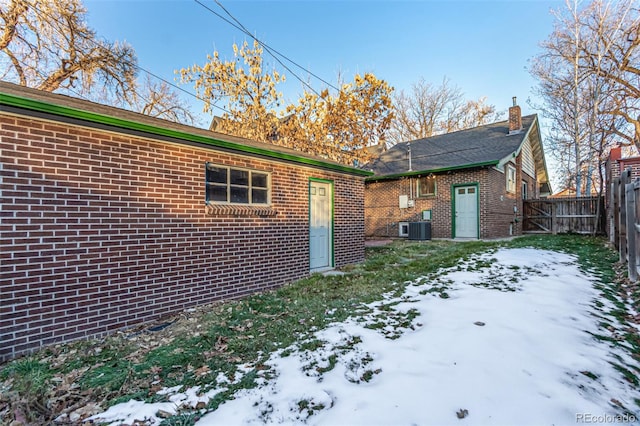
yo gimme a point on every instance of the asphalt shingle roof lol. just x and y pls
(456, 150)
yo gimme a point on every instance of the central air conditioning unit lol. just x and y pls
(419, 230)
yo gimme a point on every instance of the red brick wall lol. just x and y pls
(501, 218)
(613, 169)
(382, 212)
(102, 230)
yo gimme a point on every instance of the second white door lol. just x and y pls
(466, 212)
(320, 225)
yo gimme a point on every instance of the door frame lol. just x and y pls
(331, 222)
(453, 206)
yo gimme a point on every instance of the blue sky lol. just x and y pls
(481, 46)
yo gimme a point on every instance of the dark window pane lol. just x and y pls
(259, 180)
(259, 196)
(427, 186)
(239, 177)
(217, 193)
(471, 191)
(239, 195)
(216, 174)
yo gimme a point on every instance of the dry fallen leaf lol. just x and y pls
(221, 344)
(83, 412)
(202, 371)
(163, 414)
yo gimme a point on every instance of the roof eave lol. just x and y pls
(438, 170)
(538, 153)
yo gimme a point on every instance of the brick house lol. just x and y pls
(111, 218)
(468, 184)
(618, 161)
(620, 158)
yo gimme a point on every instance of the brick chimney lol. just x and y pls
(515, 118)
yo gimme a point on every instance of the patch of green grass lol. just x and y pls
(332, 362)
(309, 406)
(30, 376)
(367, 376)
(311, 345)
(111, 376)
(350, 344)
(626, 373)
(590, 375)
(185, 419)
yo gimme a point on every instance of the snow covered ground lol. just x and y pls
(506, 338)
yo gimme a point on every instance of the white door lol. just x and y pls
(466, 212)
(320, 199)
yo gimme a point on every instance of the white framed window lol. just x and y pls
(426, 186)
(524, 190)
(230, 185)
(403, 229)
(511, 178)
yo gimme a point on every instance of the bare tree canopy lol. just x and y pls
(588, 83)
(336, 127)
(609, 50)
(158, 99)
(430, 109)
(47, 45)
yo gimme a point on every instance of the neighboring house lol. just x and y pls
(620, 158)
(470, 183)
(111, 218)
(618, 161)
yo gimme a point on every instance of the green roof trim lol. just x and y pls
(421, 172)
(63, 111)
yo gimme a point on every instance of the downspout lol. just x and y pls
(410, 169)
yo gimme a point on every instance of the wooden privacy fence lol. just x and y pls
(580, 215)
(624, 221)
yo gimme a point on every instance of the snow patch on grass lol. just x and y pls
(507, 337)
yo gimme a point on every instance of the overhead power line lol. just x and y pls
(267, 48)
(273, 52)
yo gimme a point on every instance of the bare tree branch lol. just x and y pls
(11, 17)
(585, 79)
(48, 45)
(429, 110)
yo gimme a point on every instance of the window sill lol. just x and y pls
(239, 210)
